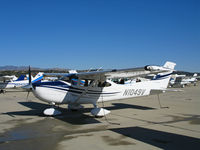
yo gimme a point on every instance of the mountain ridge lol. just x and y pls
(21, 68)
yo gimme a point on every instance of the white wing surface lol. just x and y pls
(117, 73)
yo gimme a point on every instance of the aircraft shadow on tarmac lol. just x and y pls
(73, 117)
(36, 109)
(161, 139)
(77, 117)
(125, 106)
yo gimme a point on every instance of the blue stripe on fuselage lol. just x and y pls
(65, 87)
(54, 83)
(159, 77)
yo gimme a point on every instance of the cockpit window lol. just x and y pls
(86, 83)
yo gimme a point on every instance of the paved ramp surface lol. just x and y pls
(137, 123)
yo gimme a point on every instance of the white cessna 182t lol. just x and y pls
(94, 87)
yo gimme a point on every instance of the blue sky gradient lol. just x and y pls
(80, 34)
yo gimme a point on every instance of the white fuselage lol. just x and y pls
(20, 83)
(69, 94)
(13, 84)
(188, 81)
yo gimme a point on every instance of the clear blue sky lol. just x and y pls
(80, 34)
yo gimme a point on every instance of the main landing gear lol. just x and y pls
(96, 111)
(52, 111)
(99, 112)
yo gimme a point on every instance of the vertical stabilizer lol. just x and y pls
(164, 78)
(169, 65)
(38, 77)
(21, 78)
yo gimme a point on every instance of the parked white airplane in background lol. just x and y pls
(175, 79)
(73, 71)
(190, 80)
(8, 78)
(182, 80)
(20, 82)
(97, 87)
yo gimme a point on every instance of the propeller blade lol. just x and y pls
(27, 95)
(29, 75)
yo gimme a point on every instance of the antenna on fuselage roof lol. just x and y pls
(97, 69)
(100, 68)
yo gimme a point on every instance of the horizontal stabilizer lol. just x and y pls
(159, 91)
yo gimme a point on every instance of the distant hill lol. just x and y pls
(23, 68)
(14, 68)
(18, 70)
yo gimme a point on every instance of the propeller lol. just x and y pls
(29, 75)
(29, 87)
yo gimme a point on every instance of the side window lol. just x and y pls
(74, 81)
(85, 82)
(88, 82)
(104, 84)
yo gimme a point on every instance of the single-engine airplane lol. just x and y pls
(94, 87)
(189, 80)
(20, 82)
(8, 78)
(183, 80)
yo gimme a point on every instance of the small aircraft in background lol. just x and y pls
(20, 82)
(190, 80)
(95, 87)
(8, 78)
(175, 80)
(183, 80)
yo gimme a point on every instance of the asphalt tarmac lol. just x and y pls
(137, 123)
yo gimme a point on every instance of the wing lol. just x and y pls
(119, 73)
(114, 73)
(158, 91)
